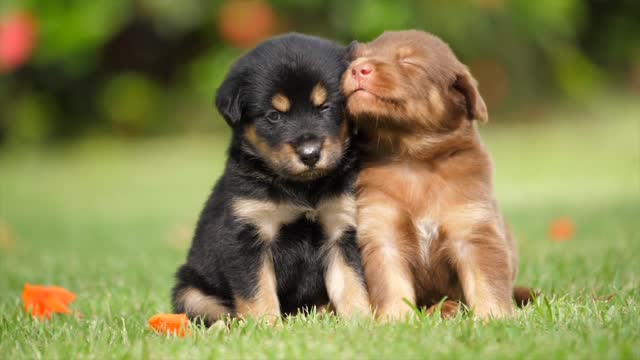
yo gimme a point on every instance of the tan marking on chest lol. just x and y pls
(268, 217)
(336, 215)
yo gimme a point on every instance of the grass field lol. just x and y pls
(110, 220)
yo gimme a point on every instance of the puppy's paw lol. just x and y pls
(449, 309)
(390, 314)
(487, 313)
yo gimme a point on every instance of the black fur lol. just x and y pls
(225, 255)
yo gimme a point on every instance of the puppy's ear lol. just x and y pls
(473, 102)
(228, 99)
(350, 50)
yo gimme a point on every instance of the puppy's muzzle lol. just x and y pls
(309, 151)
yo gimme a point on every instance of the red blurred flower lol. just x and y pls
(244, 23)
(18, 33)
(42, 301)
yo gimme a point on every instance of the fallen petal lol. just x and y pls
(42, 301)
(177, 324)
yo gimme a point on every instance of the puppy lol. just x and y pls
(428, 222)
(278, 232)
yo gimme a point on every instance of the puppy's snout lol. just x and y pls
(361, 71)
(309, 152)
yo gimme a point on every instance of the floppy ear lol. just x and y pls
(228, 99)
(474, 104)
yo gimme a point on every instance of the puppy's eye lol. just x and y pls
(325, 108)
(273, 116)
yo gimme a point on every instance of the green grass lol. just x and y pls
(110, 221)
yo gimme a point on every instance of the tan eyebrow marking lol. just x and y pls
(318, 94)
(280, 102)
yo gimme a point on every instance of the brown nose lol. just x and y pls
(361, 71)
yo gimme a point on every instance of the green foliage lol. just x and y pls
(131, 103)
(72, 33)
(541, 50)
(32, 116)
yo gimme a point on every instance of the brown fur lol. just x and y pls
(196, 302)
(280, 102)
(265, 305)
(318, 95)
(428, 222)
(448, 310)
(345, 288)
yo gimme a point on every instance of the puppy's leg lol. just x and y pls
(260, 300)
(193, 296)
(196, 304)
(483, 265)
(344, 278)
(386, 267)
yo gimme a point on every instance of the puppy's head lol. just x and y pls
(284, 102)
(410, 80)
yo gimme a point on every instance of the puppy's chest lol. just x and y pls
(334, 215)
(420, 192)
(415, 187)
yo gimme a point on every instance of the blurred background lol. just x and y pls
(138, 68)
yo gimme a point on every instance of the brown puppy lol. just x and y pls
(428, 222)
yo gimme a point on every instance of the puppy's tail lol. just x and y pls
(524, 295)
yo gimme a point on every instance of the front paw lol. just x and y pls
(357, 309)
(448, 310)
(488, 312)
(394, 313)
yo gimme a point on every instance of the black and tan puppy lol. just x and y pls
(277, 234)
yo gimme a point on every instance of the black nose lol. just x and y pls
(309, 152)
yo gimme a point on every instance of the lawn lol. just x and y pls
(111, 220)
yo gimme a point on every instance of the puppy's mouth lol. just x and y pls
(310, 174)
(362, 91)
(294, 169)
(367, 94)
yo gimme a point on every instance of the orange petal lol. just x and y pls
(562, 229)
(42, 301)
(37, 309)
(177, 324)
(61, 293)
(56, 305)
(30, 298)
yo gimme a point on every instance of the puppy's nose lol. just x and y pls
(361, 70)
(309, 152)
